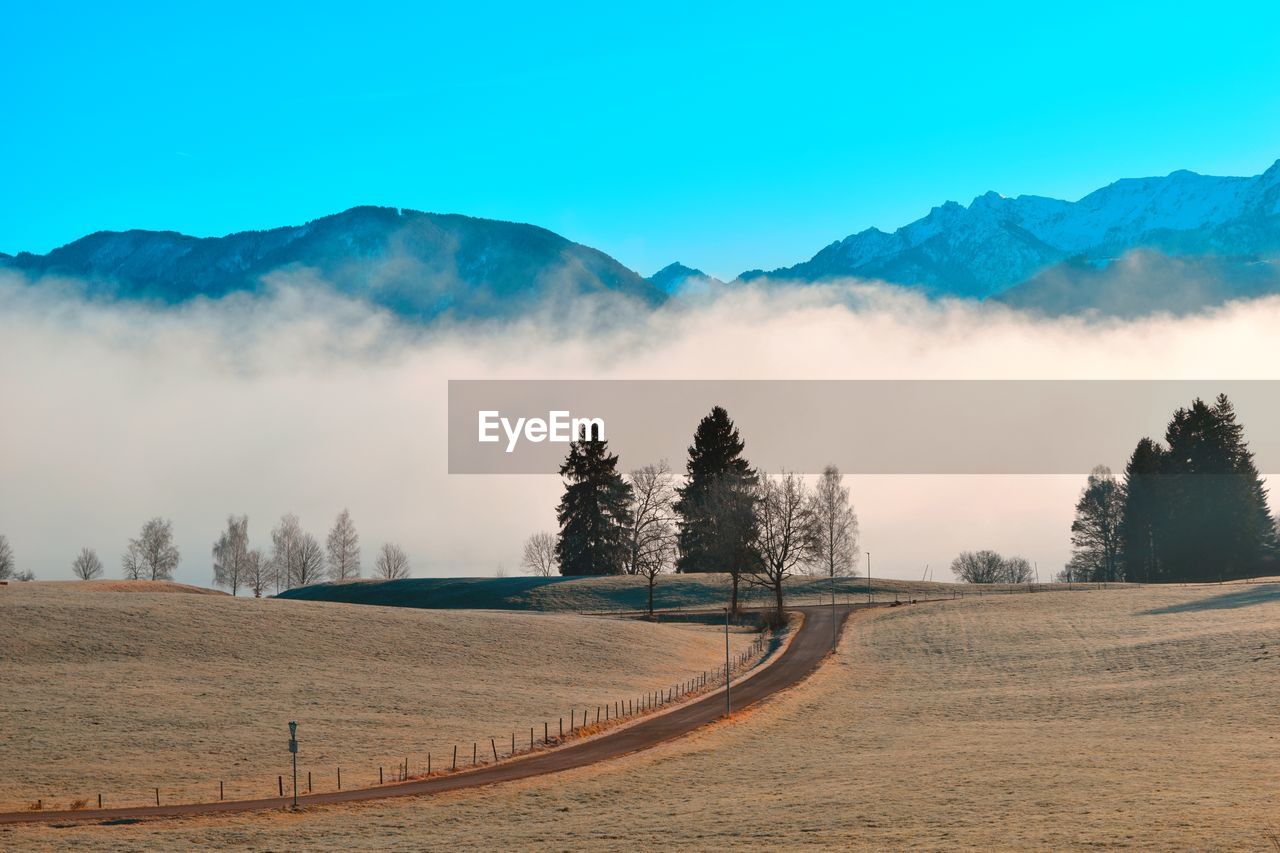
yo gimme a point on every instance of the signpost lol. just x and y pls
(293, 750)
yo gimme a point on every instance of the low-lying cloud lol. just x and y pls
(298, 400)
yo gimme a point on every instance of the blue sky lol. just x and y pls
(725, 136)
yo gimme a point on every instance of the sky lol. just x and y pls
(725, 136)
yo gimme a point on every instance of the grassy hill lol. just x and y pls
(596, 594)
(1138, 719)
(622, 593)
(112, 693)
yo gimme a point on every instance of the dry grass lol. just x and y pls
(118, 694)
(1129, 718)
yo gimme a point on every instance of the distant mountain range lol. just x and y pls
(999, 243)
(418, 265)
(1177, 243)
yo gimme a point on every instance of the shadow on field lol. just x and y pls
(1227, 601)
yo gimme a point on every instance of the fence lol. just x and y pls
(583, 721)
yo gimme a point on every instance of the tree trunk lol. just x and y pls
(733, 600)
(777, 592)
(652, 578)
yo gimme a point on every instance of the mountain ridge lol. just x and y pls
(998, 242)
(1179, 243)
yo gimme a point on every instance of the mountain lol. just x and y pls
(419, 265)
(997, 243)
(677, 277)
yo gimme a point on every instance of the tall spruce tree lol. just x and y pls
(594, 512)
(715, 508)
(1204, 514)
(1142, 514)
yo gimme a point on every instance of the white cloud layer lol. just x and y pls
(301, 401)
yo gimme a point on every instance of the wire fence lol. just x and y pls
(582, 721)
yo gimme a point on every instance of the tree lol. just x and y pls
(86, 565)
(6, 558)
(979, 567)
(594, 513)
(152, 556)
(717, 476)
(297, 559)
(730, 544)
(1214, 520)
(231, 553)
(540, 555)
(259, 573)
(784, 533)
(835, 527)
(651, 537)
(343, 549)
(392, 562)
(1141, 514)
(1095, 533)
(1018, 570)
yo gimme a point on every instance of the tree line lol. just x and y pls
(723, 516)
(1191, 509)
(295, 557)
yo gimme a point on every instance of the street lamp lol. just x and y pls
(727, 705)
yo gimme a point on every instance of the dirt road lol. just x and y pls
(808, 647)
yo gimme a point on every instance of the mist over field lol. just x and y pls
(298, 400)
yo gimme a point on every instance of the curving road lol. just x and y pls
(811, 643)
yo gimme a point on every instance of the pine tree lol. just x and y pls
(1141, 517)
(594, 513)
(716, 505)
(1216, 522)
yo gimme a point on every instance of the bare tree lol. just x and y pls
(6, 558)
(86, 565)
(231, 554)
(297, 559)
(784, 533)
(1018, 570)
(343, 548)
(990, 567)
(835, 527)
(540, 555)
(152, 556)
(392, 562)
(978, 567)
(651, 538)
(259, 573)
(1095, 533)
(501, 571)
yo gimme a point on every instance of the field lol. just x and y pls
(117, 688)
(1141, 718)
(617, 593)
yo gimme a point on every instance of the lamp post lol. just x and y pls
(833, 607)
(727, 705)
(293, 750)
(868, 578)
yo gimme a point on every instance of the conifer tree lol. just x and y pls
(1197, 510)
(594, 513)
(1141, 515)
(716, 505)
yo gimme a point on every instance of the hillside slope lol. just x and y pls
(119, 694)
(1128, 719)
